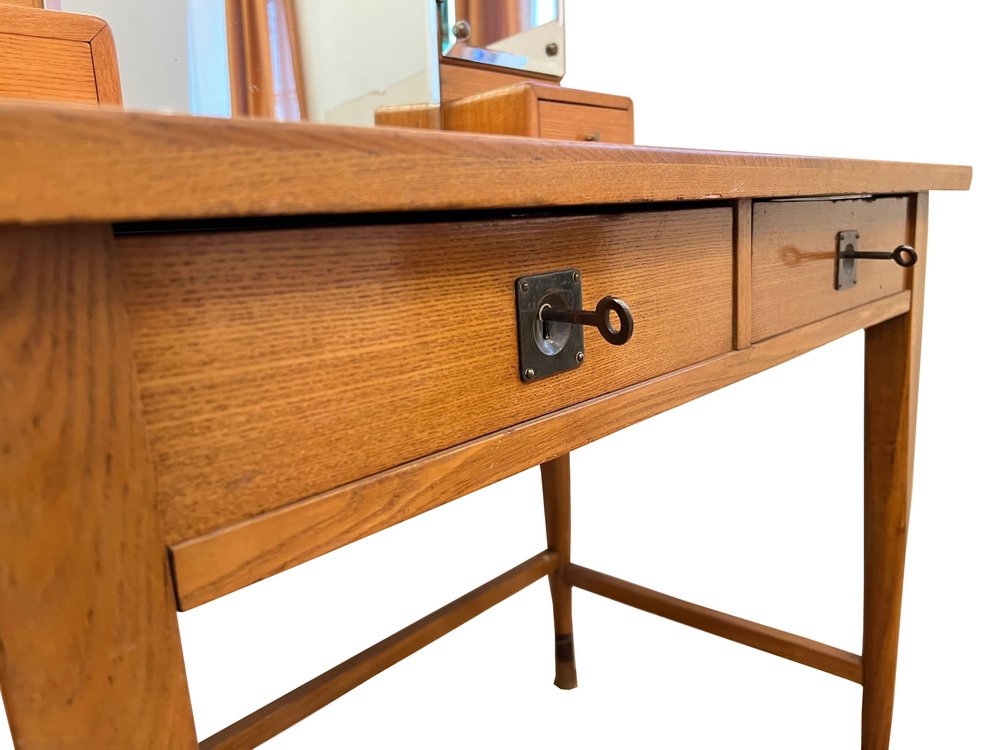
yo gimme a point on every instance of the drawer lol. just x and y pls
(794, 247)
(581, 122)
(265, 357)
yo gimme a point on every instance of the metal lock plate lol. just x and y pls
(546, 348)
(847, 268)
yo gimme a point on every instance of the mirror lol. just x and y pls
(362, 55)
(527, 35)
(329, 61)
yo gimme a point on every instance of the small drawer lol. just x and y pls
(265, 358)
(794, 267)
(581, 122)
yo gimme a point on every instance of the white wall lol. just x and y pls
(152, 43)
(362, 55)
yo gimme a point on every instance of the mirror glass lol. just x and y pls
(333, 61)
(525, 35)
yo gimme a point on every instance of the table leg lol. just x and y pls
(892, 363)
(90, 654)
(556, 494)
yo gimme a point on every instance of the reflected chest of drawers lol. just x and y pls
(230, 347)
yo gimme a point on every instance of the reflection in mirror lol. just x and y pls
(363, 55)
(333, 61)
(527, 35)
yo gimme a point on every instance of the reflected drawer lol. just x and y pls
(266, 358)
(580, 122)
(793, 271)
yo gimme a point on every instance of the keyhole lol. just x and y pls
(546, 325)
(551, 335)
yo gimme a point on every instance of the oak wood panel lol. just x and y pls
(23, 3)
(306, 699)
(794, 258)
(575, 122)
(820, 656)
(266, 357)
(220, 562)
(410, 116)
(892, 369)
(460, 79)
(105, 61)
(742, 287)
(517, 110)
(49, 24)
(512, 110)
(174, 167)
(46, 69)
(89, 648)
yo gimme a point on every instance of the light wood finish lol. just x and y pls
(892, 367)
(460, 79)
(89, 648)
(786, 645)
(571, 122)
(52, 56)
(742, 287)
(105, 61)
(410, 116)
(543, 111)
(794, 258)
(23, 3)
(172, 167)
(46, 69)
(335, 338)
(215, 564)
(49, 24)
(556, 493)
(235, 333)
(296, 705)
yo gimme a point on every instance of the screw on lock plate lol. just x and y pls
(848, 254)
(550, 322)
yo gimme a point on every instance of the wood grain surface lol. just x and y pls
(460, 79)
(892, 371)
(89, 649)
(742, 286)
(556, 491)
(543, 110)
(105, 61)
(174, 167)
(306, 699)
(46, 69)
(219, 562)
(52, 56)
(835, 661)
(575, 122)
(265, 358)
(794, 258)
(48, 24)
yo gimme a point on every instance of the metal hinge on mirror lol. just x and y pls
(848, 255)
(550, 320)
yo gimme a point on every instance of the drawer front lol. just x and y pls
(266, 357)
(580, 122)
(794, 259)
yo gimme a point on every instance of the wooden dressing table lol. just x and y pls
(229, 347)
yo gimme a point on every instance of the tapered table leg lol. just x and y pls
(892, 363)
(90, 654)
(556, 493)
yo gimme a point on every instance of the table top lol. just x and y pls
(63, 164)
